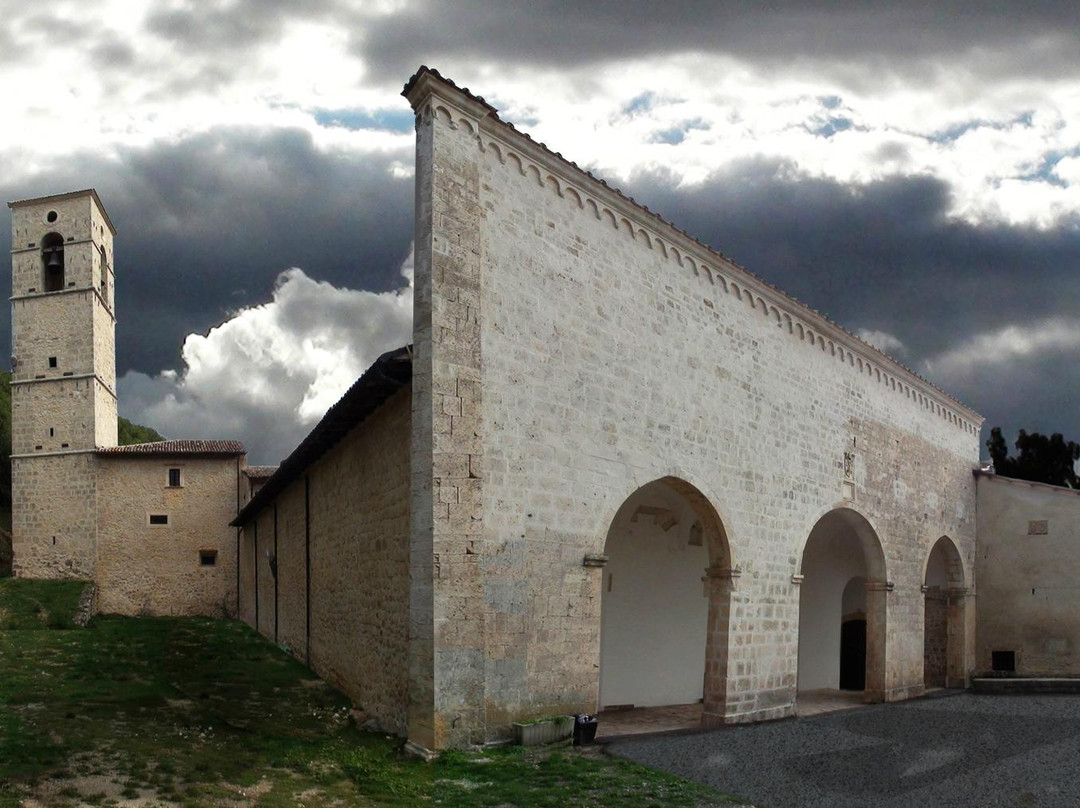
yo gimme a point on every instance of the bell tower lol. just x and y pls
(63, 382)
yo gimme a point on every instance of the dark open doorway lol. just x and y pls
(853, 655)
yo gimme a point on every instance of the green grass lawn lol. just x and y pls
(192, 711)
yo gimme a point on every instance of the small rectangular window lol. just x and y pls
(207, 558)
(159, 519)
(52, 361)
(1004, 661)
(174, 478)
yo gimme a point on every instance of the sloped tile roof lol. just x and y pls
(389, 373)
(260, 472)
(177, 447)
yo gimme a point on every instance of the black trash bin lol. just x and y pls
(584, 729)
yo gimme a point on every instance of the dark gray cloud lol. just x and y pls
(885, 256)
(205, 226)
(866, 42)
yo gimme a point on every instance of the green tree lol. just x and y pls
(129, 433)
(1040, 458)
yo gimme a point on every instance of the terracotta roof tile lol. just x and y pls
(260, 472)
(178, 447)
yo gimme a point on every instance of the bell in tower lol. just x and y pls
(52, 253)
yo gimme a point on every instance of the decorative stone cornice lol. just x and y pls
(433, 96)
(72, 378)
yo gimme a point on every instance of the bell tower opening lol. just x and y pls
(52, 259)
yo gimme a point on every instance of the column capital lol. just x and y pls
(730, 573)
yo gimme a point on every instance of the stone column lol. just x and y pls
(958, 650)
(720, 582)
(876, 639)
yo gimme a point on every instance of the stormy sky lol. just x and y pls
(910, 169)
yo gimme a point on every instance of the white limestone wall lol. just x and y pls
(1028, 571)
(611, 356)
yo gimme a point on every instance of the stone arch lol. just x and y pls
(945, 591)
(665, 600)
(842, 546)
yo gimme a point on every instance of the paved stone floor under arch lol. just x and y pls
(958, 750)
(687, 717)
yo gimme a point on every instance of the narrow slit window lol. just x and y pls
(174, 478)
(104, 274)
(159, 519)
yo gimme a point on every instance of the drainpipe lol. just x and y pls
(255, 522)
(276, 570)
(239, 532)
(307, 569)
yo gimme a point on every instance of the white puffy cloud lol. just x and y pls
(1002, 347)
(117, 77)
(882, 340)
(266, 375)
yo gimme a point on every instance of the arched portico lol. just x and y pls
(945, 617)
(842, 606)
(665, 601)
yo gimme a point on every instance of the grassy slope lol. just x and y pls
(200, 712)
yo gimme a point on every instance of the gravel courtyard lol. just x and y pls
(959, 750)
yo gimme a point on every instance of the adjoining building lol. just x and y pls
(147, 523)
(613, 469)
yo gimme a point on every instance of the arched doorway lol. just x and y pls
(665, 602)
(842, 607)
(944, 618)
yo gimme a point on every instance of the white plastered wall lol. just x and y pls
(832, 559)
(654, 605)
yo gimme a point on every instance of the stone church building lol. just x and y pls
(613, 469)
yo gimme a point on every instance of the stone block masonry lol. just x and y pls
(53, 516)
(1028, 571)
(186, 566)
(337, 594)
(63, 402)
(572, 347)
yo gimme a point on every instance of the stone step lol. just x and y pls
(1026, 684)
